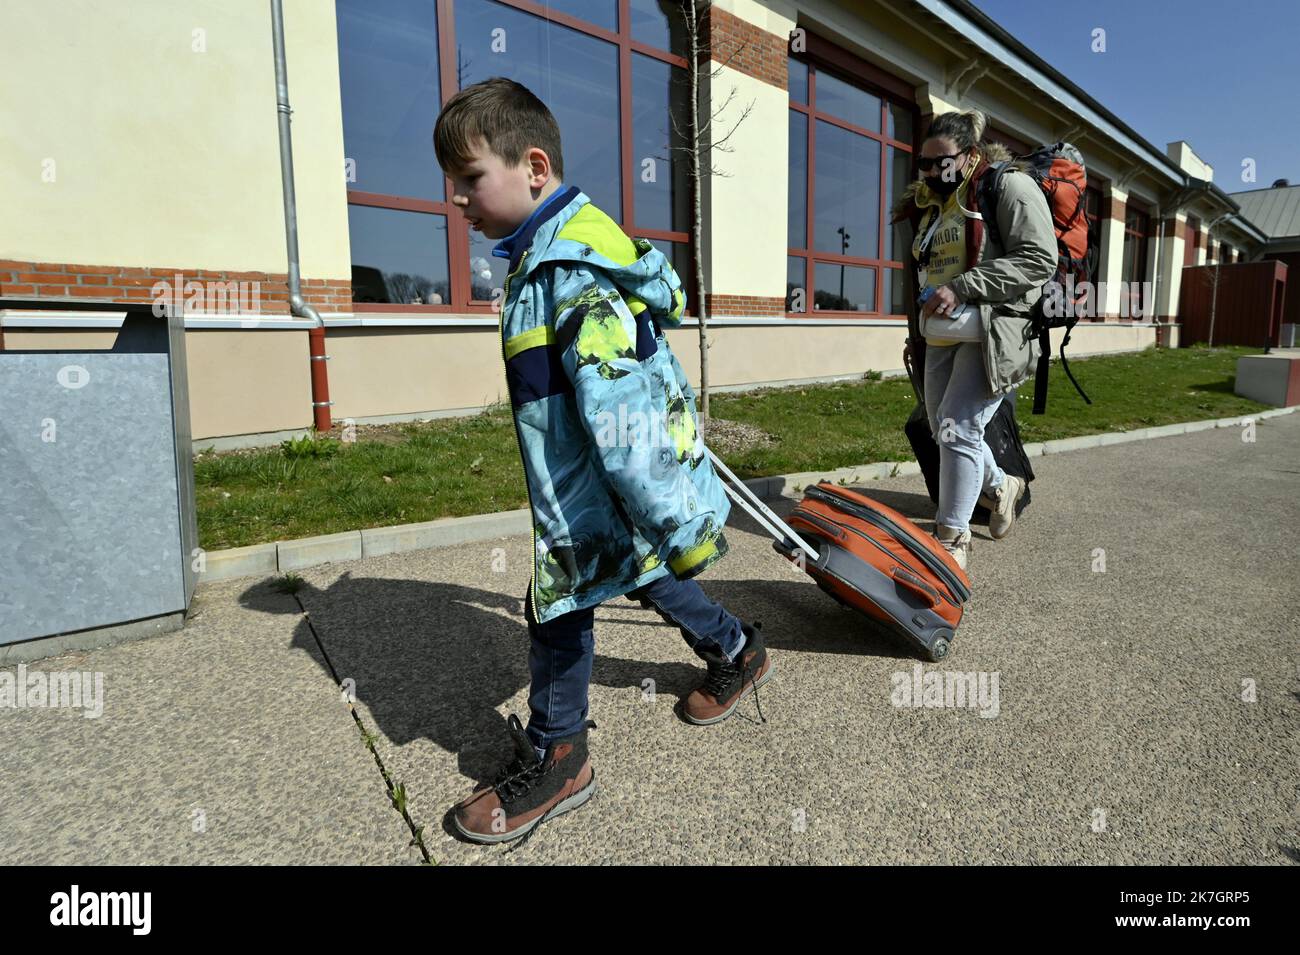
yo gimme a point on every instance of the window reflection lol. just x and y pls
(659, 23)
(847, 102)
(900, 122)
(388, 79)
(659, 167)
(603, 13)
(487, 272)
(398, 257)
(798, 162)
(897, 176)
(797, 74)
(895, 290)
(844, 288)
(575, 75)
(847, 192)
(796, 284)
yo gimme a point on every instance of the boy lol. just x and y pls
(623, 497)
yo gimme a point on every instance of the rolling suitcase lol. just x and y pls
(870, 558)
(1003, 437)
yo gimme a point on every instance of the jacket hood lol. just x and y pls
(581, 233)
(918, 195)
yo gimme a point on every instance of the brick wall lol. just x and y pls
(761, 54)
(69, 282)
(720, 305)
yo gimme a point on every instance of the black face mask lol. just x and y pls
(943, 187)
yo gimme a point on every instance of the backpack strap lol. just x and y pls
(986, 198)
(1044, 356)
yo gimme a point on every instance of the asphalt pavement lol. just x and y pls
(1133, 643)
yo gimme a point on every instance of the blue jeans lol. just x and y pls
(562, 651)
(959, 408)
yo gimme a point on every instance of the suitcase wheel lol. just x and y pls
(939, 650)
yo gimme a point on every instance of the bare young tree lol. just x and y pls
(1212, 279)
(698, 147)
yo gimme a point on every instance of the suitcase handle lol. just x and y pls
(738, 491)
(917, 586)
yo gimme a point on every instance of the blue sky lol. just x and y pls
(1224, 76)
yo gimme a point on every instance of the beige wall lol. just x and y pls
(746, 211)
(243, 378)
(257, 381)
(1171, 271)
(744, 354)
(241, 382)
(393, 371)
(164, 156)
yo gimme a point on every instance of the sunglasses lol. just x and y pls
(926, 163)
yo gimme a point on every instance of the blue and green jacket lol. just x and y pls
(619, 484)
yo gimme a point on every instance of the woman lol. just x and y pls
(977, 295)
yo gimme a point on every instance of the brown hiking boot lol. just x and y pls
(529, 791)
(728, 682)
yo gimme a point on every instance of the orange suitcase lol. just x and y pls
(871, 559)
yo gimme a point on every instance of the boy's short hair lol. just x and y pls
(509, 118)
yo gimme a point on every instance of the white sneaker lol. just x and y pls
(956, 543)
(1002, 509)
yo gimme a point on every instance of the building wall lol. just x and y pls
(258, 381)
(154, 177)
(146, 138)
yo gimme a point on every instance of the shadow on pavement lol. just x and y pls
(436, 660)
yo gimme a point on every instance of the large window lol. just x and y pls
(610, 85)
(1092, 207)
(1137, 228)
(850, 159)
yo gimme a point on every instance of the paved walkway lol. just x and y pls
(1120, 734)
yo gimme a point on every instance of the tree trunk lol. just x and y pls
(1214, 301)
(697, 205)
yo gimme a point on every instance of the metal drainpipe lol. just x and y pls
(320, 391)
(1155, 273)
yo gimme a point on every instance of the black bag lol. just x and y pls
(1003, 437)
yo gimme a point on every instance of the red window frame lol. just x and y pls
(822, 55)
(1137, 225)
(457, 227)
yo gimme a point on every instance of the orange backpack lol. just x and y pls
(1059, 171)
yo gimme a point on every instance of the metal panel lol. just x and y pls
(183, 452)
(1247, 306)
(90, 512)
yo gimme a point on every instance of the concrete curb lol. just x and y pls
(262, 560)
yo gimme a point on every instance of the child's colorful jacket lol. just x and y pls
(619, 484)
